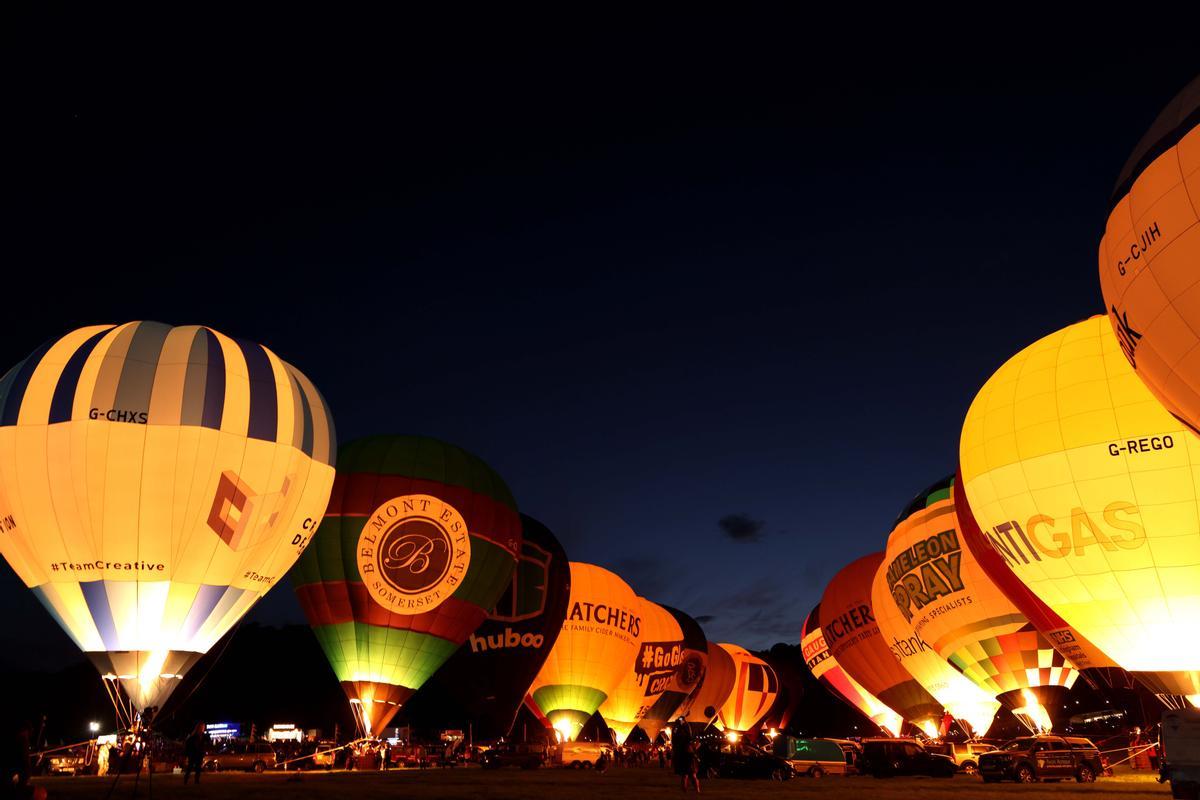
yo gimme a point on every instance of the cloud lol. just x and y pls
(741, 528)
(704, 619)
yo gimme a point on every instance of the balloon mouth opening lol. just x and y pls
(929, 728)
(1033, 714)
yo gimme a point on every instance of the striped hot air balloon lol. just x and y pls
(755, 687)
(155, 482)
(419, 544)
(824, 667)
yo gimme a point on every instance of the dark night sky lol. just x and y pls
(656, 274)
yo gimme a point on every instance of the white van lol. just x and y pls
(815, 758)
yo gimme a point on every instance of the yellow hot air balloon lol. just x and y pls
(660, 652)
(755, 687)
(596, 647)
(965, 700)
(1088, 489)
(156, 481)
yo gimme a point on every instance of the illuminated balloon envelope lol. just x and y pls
(952, 600)
(488, 676)
(719, 677)
(596, 647)
(677, 699)
(419, 544)
(939, 589)
(660, 653)
(825, 669)
(155, 482)
(849, 625)
(1149, 253)
(1066, 450)
(755, 687)
(1073, 645)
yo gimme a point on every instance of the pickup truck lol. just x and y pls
(1030, 759)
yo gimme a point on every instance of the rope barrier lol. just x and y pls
(333, 750)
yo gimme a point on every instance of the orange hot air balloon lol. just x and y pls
(596, 647)
(937, 592)
(848, 622)
(660, 653)
(755, 687)
(826, 670)
(964, 700)
(1066, 451)
(718, 683)
(1149, 253)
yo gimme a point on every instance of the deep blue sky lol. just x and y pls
(655, 274)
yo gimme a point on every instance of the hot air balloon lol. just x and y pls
(755, 687)
(681, 689)
(660, 653)
(487, 678)
(791, 686)
(1092, 663)
(719, 676)
(939, 588)
(155, 481)
(1149, 253)
(597, 645)
(938, 608)
(419, 543)
(849, 625)
(1087, 487)
(826, 669)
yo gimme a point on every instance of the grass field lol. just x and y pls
(563, 784)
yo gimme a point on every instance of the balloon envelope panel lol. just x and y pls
(1148, 257)
(420, 542)
(825, 668)
(596, 647)
(1087, 487)
(488, 676)
(155, 481)
(852, 633)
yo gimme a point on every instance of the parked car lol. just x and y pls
(884, 758)
(815, 758)
(256, 756)
(525, 756)
(743, 761)
(1029, 759)
(964, 754)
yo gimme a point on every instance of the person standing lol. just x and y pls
(195, 747)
